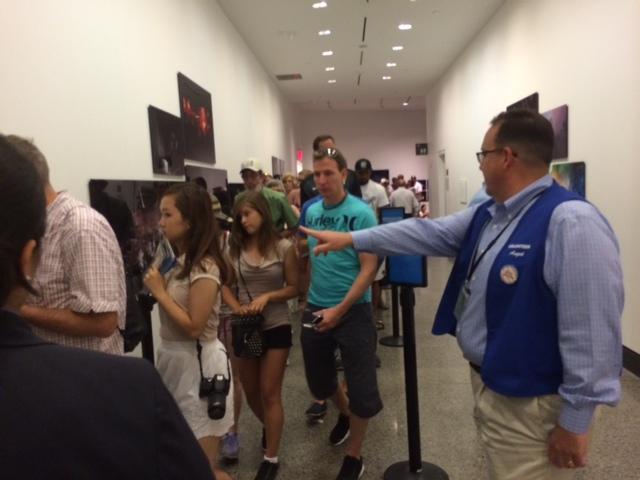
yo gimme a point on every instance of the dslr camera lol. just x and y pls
(215, 389)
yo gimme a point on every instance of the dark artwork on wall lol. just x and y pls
(377, 175)
(216, 183)
(167, 142)
(527, 103)
(422, 149)
(559, 118)
(571, 176)
(277, 167)
(132, 209)
(197, 120)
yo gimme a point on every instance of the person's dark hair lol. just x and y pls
(267, 235)
(203, 239)
(333, 154)
(528, 132)
(22, 216)
(27, 149)
(321, 138)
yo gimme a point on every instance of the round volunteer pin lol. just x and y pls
(509, 274)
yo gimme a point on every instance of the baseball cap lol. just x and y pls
(363, 164)
(250, 164)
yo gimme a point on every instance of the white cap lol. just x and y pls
(250, 164)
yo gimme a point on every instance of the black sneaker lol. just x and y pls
(316, 410)
(340, 432)
(352, 469)
(267, 471)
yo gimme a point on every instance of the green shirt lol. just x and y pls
(281, 211)
(332, 275)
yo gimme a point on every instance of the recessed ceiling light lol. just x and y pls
(386, 77)
(397, 48)
(322, 33)
(319, 5)
(405, 104)
(330, 69)
(392, 64)
(332, 81)
(327, 53)
(405, 26)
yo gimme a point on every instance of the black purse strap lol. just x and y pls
(243, 280)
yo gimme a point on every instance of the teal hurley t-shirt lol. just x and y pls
(332, 275)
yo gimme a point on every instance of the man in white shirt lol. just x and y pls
(402, 197)
(374, 194)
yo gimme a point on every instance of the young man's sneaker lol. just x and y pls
(267, 471)
(230, 447)
(340, 432)
(352, 469)
(316, 411)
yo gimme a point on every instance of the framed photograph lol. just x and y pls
(167, 142)
(571, 176)
(197, 120)
(214, 180)
(559, 118)
(526, 103)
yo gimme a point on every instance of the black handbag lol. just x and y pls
(246, 330)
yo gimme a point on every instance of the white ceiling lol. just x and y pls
(283, 34)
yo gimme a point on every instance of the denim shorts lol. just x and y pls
(355, 336)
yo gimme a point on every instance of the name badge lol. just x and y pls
(509, 274)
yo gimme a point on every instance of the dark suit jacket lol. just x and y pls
(70, 414)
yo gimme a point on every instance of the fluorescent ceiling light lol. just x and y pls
(405, 104)
(322, 33)
(319, 5)
(405, 26)
(330, 69)
(392, 64)
(332, 81)
(327, 53)
(386, 77)
(397, 48)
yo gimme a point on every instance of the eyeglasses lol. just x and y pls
(483, 153)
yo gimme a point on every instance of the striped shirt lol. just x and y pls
(80, 269)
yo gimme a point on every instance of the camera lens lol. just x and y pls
(216, 406)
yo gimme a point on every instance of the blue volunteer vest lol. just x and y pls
(522, 356)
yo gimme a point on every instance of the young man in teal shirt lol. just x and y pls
(339, 312)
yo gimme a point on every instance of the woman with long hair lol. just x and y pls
(189, 299)
(266, 275)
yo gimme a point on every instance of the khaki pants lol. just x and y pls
(514, 433)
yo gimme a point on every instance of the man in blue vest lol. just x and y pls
(535, 299)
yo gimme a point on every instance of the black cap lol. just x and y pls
(363, 164)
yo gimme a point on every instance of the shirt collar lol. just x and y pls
(520, 199)
(58, 202)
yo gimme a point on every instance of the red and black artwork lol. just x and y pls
(167, 142)
(197, 120)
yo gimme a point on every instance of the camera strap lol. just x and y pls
(199, 350)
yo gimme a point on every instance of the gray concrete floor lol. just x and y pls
(447, 430)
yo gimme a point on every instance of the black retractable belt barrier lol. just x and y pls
(395, 339)
(415, 468)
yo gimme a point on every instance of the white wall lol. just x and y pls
(388, 139)
(585, 53)
(78, 75)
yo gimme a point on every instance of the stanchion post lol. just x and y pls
(395, 340)
(415, 468)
